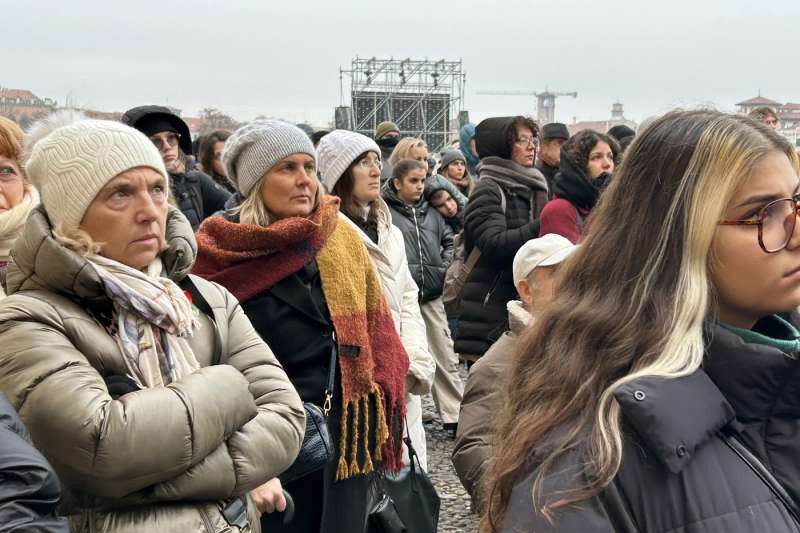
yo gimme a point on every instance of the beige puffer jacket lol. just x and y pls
(157, 459)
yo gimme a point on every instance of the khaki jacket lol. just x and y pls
(157, 459)
(483, 399)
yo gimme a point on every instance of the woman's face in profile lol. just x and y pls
(751, 283)
(128, 217)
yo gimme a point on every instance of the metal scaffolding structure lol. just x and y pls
(423, 97)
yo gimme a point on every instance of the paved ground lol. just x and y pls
(455, 515)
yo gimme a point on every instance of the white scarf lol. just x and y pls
(150, 309)
(13, 220)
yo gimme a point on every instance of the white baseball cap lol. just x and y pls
(549, 250)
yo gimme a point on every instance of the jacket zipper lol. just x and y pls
(206, 520)
(419, 246)
(492, 288)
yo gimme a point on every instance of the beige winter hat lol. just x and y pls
(71, 164)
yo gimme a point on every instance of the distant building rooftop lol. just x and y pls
(758, 101)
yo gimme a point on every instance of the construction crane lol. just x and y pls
(545, 102)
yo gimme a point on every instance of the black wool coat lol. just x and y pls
(678, 473)
(293, 319)
(490, 285)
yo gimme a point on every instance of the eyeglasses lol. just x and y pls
(776, 223)
(366, 164)
(525, 141)
(170, 139)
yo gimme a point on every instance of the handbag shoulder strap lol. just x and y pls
(202, 304)
(326, 407)
(763, 473)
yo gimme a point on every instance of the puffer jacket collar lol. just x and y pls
(744, 381)
(389, 194)
(759, 381)
(572, 184)
(42, 263)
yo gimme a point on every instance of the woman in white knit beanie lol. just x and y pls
(139, 401)
(350, 167)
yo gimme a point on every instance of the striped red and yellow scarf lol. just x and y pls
(248, 260)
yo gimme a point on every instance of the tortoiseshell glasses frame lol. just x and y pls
(776, 223)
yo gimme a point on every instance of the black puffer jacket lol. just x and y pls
(678, 474)
(428, 239)
(490, 285)
(197, 196)
(29, 488)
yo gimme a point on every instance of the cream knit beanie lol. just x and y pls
(72, 163)
(337, 151)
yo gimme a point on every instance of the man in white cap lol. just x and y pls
(534, 269)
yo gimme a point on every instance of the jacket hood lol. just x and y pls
(466, 134)
(42, 263)
(437, 182)
(491, 135)
(573, 185)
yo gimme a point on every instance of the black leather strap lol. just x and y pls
(202, 304)
(326, 407)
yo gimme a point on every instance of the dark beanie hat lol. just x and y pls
(555, 130)
(620, 131)
(449, 155)
(491, 137)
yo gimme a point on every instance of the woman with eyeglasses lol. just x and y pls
(659, 390)
(195, 193)
(587, 163)
(501, 216)
(17, 196)
(304, 278)
(350, 167)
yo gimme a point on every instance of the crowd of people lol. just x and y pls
(236, 332)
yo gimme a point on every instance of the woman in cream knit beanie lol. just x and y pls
(72, 163)
(127, 389)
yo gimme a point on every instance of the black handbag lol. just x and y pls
(317, 450)
(405, 501)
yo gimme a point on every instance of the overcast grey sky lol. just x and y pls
(282, 58)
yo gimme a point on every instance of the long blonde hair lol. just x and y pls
(631, 302)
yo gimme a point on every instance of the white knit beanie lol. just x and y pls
(71, 164)
(337, 151)
(255, 148)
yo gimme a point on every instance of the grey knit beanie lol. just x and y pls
(450, 155)
(337, 151)
(255, 148)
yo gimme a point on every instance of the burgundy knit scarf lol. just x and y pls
(249, 259)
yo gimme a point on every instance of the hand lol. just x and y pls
(269, 497)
